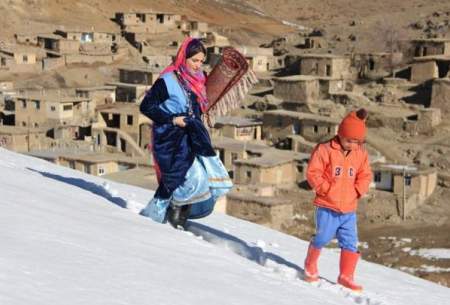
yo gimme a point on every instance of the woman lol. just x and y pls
(190, 175)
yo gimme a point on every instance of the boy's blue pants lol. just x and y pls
(330, 224)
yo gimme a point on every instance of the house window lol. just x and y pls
(36, 125)
(377, 177)
(72, 164)
(87, 168)
(408, 180)
(67, 107)
(328, 67)
(25, 59)
(52, 108)
(129, 119)
(24, 103)
(316, 129)
(248, 174)
(37, 104)
(234, 156)
(24, 124)
(329, 129)
(3, 61)
(101, 171)
(279, 121)
(371, 64)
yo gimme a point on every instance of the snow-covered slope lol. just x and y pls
(70, 238)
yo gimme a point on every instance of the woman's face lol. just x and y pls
(195, 62)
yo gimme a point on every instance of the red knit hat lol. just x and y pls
(353, 126)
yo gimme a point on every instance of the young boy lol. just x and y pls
(340, 174)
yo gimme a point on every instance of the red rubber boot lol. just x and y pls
(347, 267)
(311, 272)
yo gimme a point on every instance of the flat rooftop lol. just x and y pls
(236, 121)
(302, 116)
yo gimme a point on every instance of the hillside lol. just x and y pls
(249, 21)
(70, 238)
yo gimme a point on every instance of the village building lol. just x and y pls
(314, 42)
(273, 212)
(230, 150)
(259, 59)
(215, 39)
(375, 65)
(122, 127)
(410, 184)
(22, 139)
(278, 124)
(326, 65)
(297, 89)
(431, 47)
(89, 36)
(52, 108)
(93, 163)
(440, 97)
(429, 67)
(147, 21)
(134, 81)
(415, 120)
(238, 128)
(157, 61)
(193, 28)
(99, 95)
(56, 45)
(27, 38)
(85, 47)
(273, 167)
(21, 59)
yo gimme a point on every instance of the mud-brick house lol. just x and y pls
(273, 212)
(277, 168)
(429, 67)
(134, 81)
(297, 89)
(147, 21)
(326, 65)
(89, 36)
(52, 108)
(259, 59)
(375, 65)
(99, 95)
(238, 128)
(21, 59)
(440, 97)
(22, 139)
(411, 185)
(415, 120)
(431, 46)
(278, 124)
(230, 150)
(122, 127)
(56, 45)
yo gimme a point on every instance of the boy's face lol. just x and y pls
(349, 144)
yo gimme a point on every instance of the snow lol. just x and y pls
(432, 253)
(70, 238)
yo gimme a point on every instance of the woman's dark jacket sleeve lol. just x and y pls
(150, 104)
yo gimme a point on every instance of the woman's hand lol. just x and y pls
(179, 121)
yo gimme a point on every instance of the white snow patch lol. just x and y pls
(432, 253)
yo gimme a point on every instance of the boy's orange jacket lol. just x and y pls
(338, 180)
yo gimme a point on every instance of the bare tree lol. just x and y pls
(393, 40)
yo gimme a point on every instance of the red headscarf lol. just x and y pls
(194, 81)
